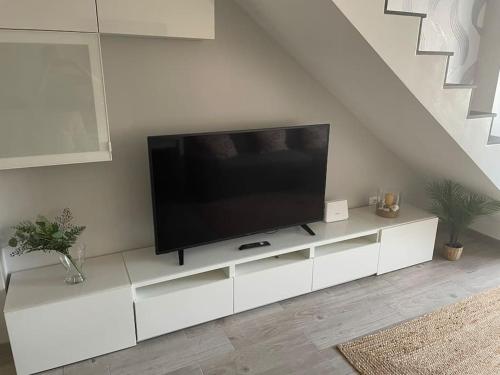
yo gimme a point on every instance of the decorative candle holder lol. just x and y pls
(388, 203)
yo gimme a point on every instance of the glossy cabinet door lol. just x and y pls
(406, 245)
(161, 18)
(52, 101)
(61, 15)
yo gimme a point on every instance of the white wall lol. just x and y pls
(3, 330)
(451, 25)
(476, 31)
(495, 128)
(487, 95)
(160, 86)
(488, 225)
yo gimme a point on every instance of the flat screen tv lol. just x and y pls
(216, 186)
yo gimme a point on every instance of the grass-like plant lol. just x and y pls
(458, 207)
(46, 236)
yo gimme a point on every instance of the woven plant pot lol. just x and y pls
(387, 214)
(453, 253)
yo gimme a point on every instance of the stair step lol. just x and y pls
(494, 140)
(402, 13)
(479, 114)
(459, 86)
(444, 53)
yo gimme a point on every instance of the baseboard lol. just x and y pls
(482, 236)
(488, 225)
(4, 337)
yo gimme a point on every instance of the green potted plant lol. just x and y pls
(457, 208)
(57, 236)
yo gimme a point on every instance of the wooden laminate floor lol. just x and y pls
(297, 336)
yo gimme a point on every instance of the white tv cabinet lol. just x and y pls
(51, 324)
(218, 280)
(97, 317)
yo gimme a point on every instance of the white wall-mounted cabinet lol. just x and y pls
(60, 15)
(52, 100)
(162, 18)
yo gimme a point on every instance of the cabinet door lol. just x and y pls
(56, 334)
(163, 18)
(61, 15)
(52, 104)
(407, 245)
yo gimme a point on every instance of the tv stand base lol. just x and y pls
(180, 253)
(308, 229)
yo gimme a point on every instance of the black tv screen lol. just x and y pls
(216, 186)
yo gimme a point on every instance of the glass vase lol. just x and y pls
(74, 262)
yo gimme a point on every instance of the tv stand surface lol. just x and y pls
(306, 227)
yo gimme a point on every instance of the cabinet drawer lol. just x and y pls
(271, 280)
(407, 245)
(181, 303)
(337, 267)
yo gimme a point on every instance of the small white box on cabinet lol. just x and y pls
(336, 211)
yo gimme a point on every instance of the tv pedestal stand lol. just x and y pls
(308, 229)
(180, 253)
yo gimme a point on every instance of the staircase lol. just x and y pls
(472, 114)
(395, 35)
(369, 58)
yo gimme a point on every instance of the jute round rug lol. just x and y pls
(463, 338)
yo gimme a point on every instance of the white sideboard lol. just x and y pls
(51, 324)
(217, 280)
(295, 263)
